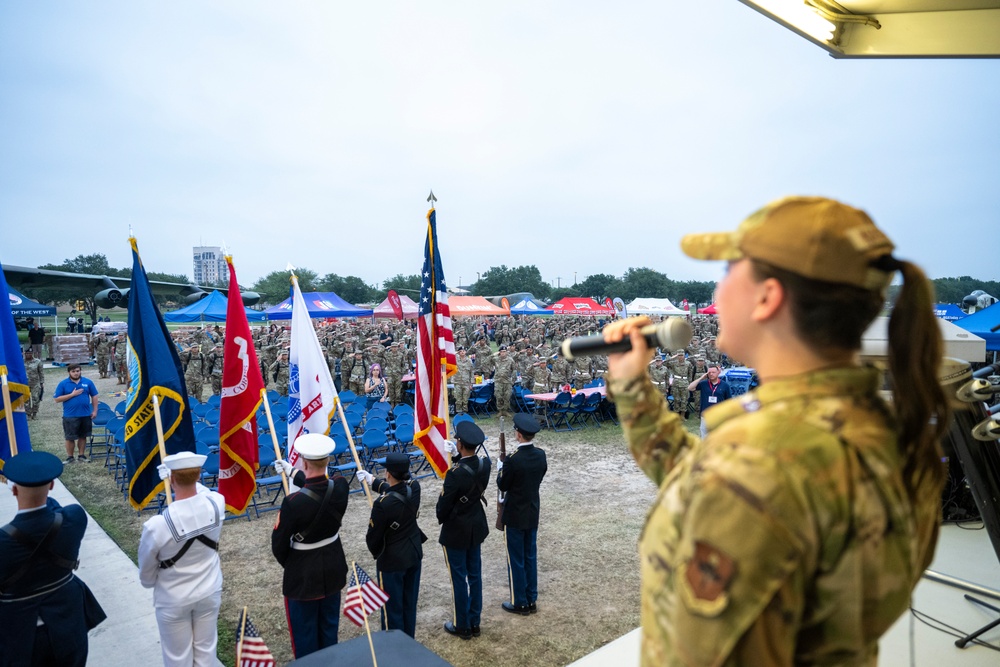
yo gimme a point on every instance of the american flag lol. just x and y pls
(251, 651)
(435, 355)
(362, 589)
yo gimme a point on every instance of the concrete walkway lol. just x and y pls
(129, 635)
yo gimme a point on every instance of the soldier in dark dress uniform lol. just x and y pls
(395, 540)
(306, 542)
(519, 477)
(45, 610)
(462, 515)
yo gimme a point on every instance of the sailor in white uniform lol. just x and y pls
(179, 560)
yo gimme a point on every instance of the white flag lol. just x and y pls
(312, 396)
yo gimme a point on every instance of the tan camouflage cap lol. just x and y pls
(813, 237)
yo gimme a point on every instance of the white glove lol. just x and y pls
(282, 466)
(499, 466)
(366, 477)
(163, 470)
(451, 447)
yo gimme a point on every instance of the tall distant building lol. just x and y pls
(209, 265)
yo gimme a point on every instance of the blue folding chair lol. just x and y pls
(214, 401)
(480, 399)
(560, 411)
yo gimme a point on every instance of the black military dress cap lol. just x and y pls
(398, 465)
(470, 434)
(33, 468)
(527, 424)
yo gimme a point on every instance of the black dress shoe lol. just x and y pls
(532, 608)
(450, 628)
(523, 610)
(475, 631)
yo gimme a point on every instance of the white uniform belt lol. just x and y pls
(306, 546)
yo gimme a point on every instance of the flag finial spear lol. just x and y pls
(431, 198)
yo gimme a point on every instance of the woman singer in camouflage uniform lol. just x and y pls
(796, 531)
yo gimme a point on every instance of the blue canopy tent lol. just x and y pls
(528, 307)
(22, 306)
(980, 324)
(948, 311)
(210, 309)
(319, 304)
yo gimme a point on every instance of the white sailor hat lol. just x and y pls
(314, 446)
(184, 460)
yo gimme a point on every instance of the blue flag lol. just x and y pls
(12, 367)
(154, 369)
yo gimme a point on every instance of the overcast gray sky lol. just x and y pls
(582, 137)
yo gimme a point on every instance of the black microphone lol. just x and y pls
(987, 430)
(986, 371)
(670, 334)
(974, 391)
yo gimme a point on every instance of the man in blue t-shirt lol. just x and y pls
(78, 396)
(712, 390)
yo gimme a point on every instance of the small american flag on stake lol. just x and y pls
(251, 651)
(363, 597)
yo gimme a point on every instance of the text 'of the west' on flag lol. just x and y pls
(435, 355)
(312, 395)
(154, 369)
(363, 596)
(16, 379)
(242, 389)
(251, 651)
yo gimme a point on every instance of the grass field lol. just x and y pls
(594, 502)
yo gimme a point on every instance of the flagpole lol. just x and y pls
(274, 436)
(354, 451)
(444, 398)
(159, 439)
(239, 644)
(361, 599)
(9, 410)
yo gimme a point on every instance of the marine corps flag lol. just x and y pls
(153, 370)
(435, 355)
(13, 420)
(242, 388)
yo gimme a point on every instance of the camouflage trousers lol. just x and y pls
(194, 383)
(461, 394)
(216, 384)
(281, 386)
(31, 407)
(102, 365)
(357, 385)
(122, 371)
(681, 396)
(395, 388)
(501, 393)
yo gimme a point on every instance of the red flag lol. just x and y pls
(435, 355)
(397, 305)
(242, 389)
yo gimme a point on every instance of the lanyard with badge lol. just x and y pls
(713, 398)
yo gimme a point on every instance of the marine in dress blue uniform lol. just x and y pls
(45, 609)
(519, 477)
(396, 541)
(461, 511)
(306, 542)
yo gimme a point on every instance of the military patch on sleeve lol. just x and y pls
(706, 580)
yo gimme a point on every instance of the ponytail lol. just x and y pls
(922, 410)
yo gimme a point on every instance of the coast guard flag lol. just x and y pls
(242, 388)
(312, 396)
(12, 370)
(435, 355)
(154, 369)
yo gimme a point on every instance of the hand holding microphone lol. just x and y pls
(629, 342)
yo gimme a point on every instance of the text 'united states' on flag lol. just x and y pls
(435, 355)
(251, 651)
(363, 597)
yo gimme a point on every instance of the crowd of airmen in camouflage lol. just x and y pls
(526, 352)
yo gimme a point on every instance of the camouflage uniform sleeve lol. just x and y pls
(656, 436)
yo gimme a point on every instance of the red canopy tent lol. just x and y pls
(708, 310)
(384, 310)
(580, 305)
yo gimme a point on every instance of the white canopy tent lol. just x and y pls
(653, 307)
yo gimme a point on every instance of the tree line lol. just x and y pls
(495, 281)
